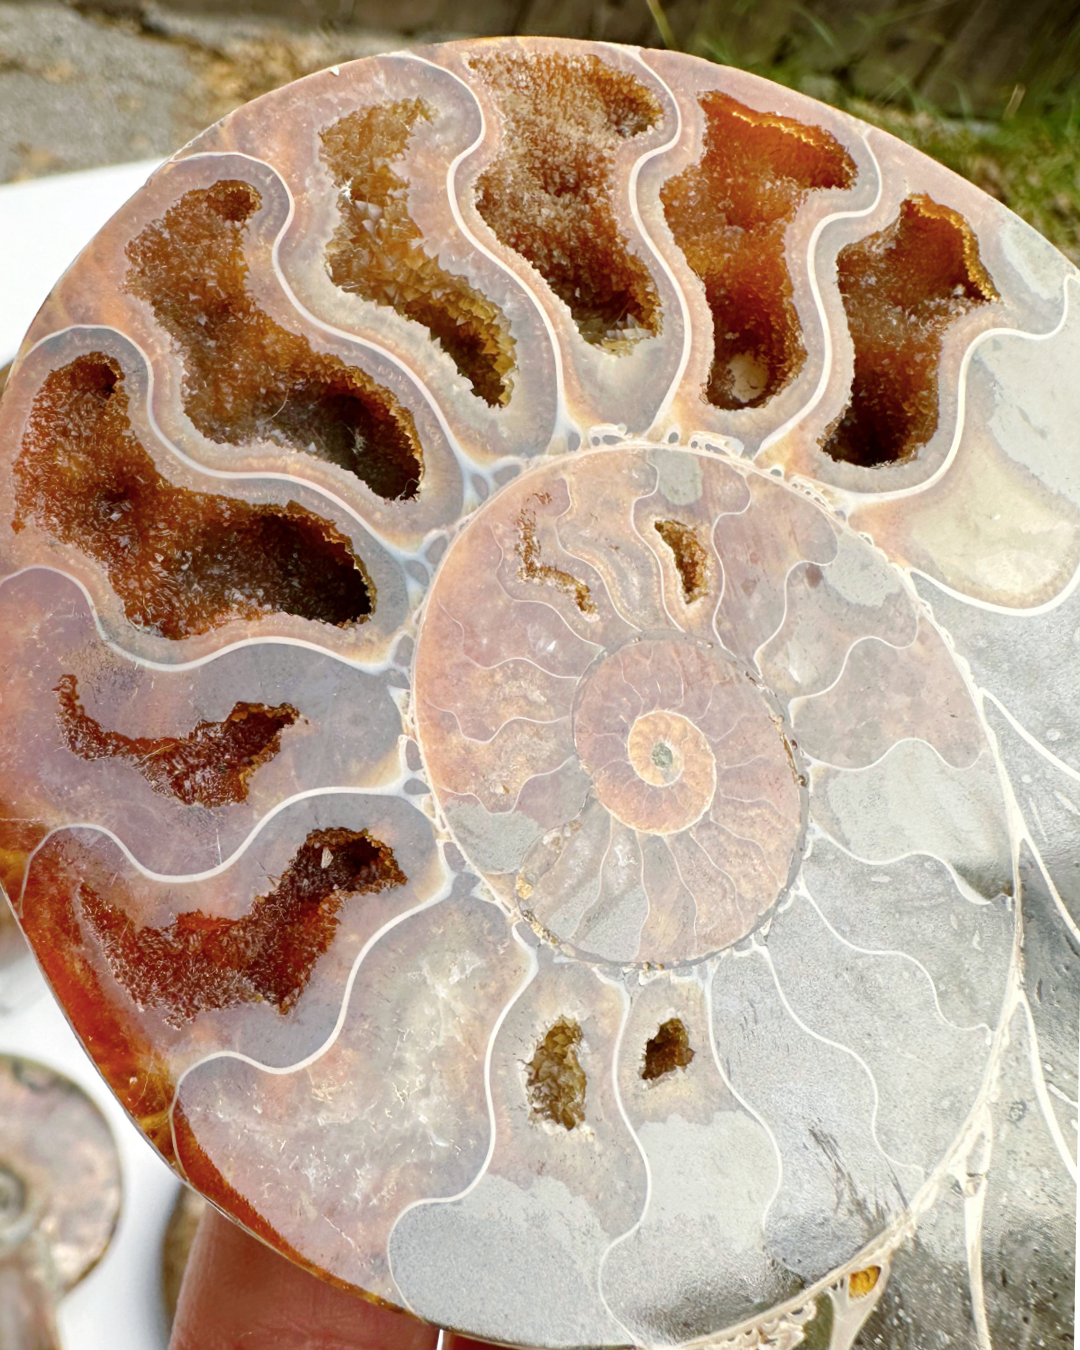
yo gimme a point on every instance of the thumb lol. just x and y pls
(240, 1295)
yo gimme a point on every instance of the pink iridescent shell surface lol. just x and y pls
(538, 743)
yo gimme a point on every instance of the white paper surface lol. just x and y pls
(44, 225)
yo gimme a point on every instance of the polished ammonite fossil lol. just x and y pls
(538, 742)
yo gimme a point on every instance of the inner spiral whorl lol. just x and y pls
(659, 774)
(677, 754)
(603, 756)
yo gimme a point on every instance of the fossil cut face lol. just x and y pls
(538, 744)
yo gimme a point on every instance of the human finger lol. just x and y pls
(238, 1294)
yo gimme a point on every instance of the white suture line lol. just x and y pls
(256, 829)
(478, 740)
(974, 1208)
(743, 838)
(1063, 911)
(1018, 831)
(489, 1099)
(635, 212)
(718, 741)
(541, 599)
(580, 558)
(743, 801)
(232, 475)
(847, 1050)
(644, 889)
(1018, 827)
(689, 833)
(592, 904)
(515, 600)
(1061, 1096)
(508, 660)
(353, 339)
(571, 758)
(354, 663)
(623, 1237)
(1026, 735)
(799, 562)
(1009, 611)
(740, 1098)
(563, 421)
(666, 841)
(714, 530)
(961, 402)
(722, 579)
(343, 1011)
(1041, 1094)
(657, 562)
(992, 608)
(899, 955)
(1038, 818)
(503, 661)
(984, 752)
(963, 888)
(760, 648)
(1066, 802)
(799, 700)
(815, 291)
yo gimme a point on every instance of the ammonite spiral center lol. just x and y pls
(603, 758)
(654, 767)
(667, 752)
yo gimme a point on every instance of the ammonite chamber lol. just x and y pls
(538, 742)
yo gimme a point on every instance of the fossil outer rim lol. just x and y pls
(235, 455)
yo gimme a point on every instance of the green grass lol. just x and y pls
(1031, 163)
(1027, 156)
